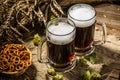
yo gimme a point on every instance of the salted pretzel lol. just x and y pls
(14, 57)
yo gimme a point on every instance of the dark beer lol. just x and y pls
(84, 17)
(60, 45)
(60, 55)
(84, 38)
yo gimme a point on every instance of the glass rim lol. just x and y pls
(80, 5)
(61, 18)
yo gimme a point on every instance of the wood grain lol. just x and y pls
(108, 53)
(109, 14)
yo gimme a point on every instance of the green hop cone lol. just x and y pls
(82, 61)
(95, 75)
(52, 17)
(36, 39)
(51, 72)
(57, 77)
(87, 75)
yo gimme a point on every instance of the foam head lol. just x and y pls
(62, 33)
(82, 15)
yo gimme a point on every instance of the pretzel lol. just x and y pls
(11, 68)
(17, 61)
(20, 67)
(26, 63)
(14, 57)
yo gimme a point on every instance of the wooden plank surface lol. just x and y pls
(65, 3)
(109, 14)
(108, 53)
(38, 70)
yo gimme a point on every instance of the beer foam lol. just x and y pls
(61, 33)
(82, 15)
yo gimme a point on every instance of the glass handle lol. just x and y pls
(39, 50)
(104, 34)
(104, 29)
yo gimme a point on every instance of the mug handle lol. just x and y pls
(104, 34)
(39, 50)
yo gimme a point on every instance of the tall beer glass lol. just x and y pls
(60, 35)
(84, 17)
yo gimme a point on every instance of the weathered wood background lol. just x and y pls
(109, 53)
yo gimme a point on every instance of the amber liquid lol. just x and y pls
(84, 38)
(60, 55)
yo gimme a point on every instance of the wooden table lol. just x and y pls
(108, 53)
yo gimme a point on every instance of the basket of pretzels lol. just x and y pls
(14, 59)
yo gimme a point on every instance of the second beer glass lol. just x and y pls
(84, 17)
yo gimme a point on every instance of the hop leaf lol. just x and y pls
(93, 58)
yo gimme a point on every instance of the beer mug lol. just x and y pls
(84, 17)
(60, 35)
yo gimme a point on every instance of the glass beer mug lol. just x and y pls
(60, 35)
(84, 17)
